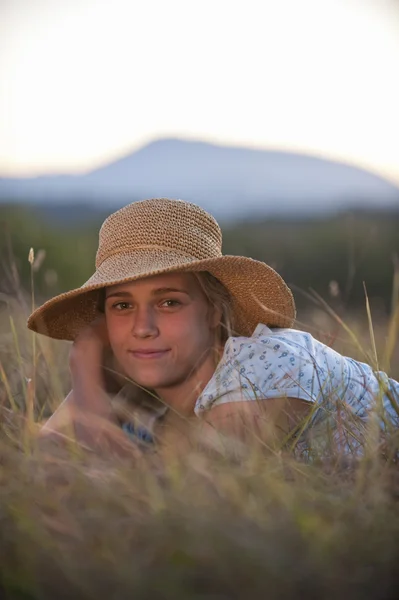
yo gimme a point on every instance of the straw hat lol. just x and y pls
(159, 236)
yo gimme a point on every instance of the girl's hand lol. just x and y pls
(87, 349)
(90, 398)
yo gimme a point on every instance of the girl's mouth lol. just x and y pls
(148, 354)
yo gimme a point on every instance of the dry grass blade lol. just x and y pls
(393, 326)
(371, 330)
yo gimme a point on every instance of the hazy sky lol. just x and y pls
(85, 81)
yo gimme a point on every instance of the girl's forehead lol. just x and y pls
(164, 280)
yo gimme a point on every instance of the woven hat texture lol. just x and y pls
(161, 235)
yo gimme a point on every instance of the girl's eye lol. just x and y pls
(121, 305)
(171, 303)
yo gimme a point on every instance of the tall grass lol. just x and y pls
(271, 524)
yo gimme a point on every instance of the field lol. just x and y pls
(265, 523)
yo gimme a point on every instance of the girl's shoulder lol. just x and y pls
(265, 340)
(268, 364)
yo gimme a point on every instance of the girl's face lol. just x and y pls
(161, 329)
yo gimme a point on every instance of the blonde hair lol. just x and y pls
(218, 297)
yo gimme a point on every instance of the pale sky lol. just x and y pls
(83, 82)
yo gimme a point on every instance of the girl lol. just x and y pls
(169, 332)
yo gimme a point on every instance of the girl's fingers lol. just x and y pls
(96, 331)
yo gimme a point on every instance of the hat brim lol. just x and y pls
(258, 293)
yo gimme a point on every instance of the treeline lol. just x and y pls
(332, 256)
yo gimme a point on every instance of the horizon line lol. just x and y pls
(388, 175)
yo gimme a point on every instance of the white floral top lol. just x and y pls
(276, 363)
(286, 363)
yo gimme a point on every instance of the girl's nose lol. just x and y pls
(144, 324)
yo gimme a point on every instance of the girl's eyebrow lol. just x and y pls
(118, 295)
(157, 292)
(167, 290)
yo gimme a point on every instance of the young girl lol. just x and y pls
(169, 332)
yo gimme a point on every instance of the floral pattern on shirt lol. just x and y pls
(277, 363)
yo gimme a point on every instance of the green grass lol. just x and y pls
(269, 525)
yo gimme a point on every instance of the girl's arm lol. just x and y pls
(62, 419)
(269, 421)
(86, 414)
(232, 427)
(93, 431)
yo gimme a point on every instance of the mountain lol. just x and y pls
(230, 182)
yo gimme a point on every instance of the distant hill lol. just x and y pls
(229, 182)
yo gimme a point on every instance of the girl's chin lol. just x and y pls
(150, 383)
